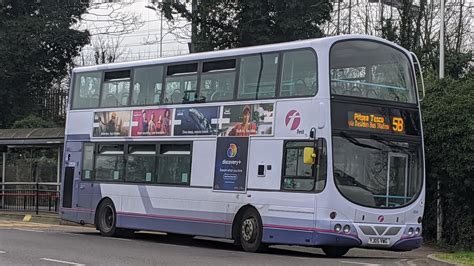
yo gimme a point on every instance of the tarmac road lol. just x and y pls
(45, 244)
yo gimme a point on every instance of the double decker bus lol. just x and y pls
(313, 143)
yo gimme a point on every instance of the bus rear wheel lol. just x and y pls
(335, 252)
(107, 218)
(251, 231)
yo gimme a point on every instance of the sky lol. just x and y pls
(135, 39)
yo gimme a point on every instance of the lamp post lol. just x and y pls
(161, 26)
(441, 43)
(439, 210)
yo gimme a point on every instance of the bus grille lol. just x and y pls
(379, 230)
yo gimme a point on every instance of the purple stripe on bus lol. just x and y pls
(173, 217)
(297, 228)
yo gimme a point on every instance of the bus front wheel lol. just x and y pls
(251, 231)
(335, 252)
(107, 218)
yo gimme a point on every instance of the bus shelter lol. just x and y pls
(30, 168)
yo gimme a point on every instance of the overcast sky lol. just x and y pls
(142, 39)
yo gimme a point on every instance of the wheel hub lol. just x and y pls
(248, 229)
(108, 218)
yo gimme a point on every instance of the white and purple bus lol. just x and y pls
(314, 143)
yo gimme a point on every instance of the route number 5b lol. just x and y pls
(397, 124)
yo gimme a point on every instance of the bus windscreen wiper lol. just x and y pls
(387, 142)
(356, 142)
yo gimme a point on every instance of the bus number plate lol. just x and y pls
(379, 241)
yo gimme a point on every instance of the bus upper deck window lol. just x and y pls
(116, 89)
(257, 77)
(181, 83)
(86, 90)
(371, 70)
(299, 74)
(147, 85)
(217, 80)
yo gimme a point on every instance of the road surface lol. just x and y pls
(44, 244)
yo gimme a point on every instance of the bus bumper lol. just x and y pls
(335, 239)
(407, 244)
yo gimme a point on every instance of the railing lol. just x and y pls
(37, 200)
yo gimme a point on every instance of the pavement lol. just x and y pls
(42, 217)
(45, 241)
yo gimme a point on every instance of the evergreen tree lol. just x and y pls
(448, 124)
(37, 44)
(33, 121)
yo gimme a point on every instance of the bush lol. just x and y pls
(32, 121)
(448, 111)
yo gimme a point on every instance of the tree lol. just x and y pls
(448, 122)
(414, 25)
(221, 24)
(37, 44)
(33, 121)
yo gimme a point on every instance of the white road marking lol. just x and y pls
(116, 238)
(62, 261)
(29, 230)
(360, 263)
(2, 252)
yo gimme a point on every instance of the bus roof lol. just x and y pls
(326, 41)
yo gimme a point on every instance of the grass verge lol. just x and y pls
(465, 258)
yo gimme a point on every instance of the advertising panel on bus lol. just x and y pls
(196, 121)
(247, 120)
(231, 163)
(111, 124)
(151, 122)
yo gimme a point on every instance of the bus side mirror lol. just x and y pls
(309, 155)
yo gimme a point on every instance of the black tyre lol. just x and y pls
(107, 218)
(251, 231)
(335, 252)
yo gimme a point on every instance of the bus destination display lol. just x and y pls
(371, 121)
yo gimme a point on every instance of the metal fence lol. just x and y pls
(37, 200)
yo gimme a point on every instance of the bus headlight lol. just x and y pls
(417, 231)
(410, 231)
(346, 229)
(337, 228)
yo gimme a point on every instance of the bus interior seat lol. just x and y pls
(176, 97)
(124, 98)
(110, 100)
(156, 97)
(300, 88)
